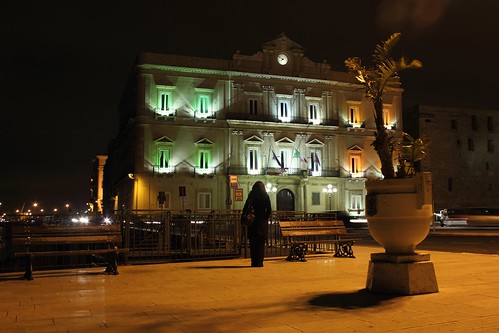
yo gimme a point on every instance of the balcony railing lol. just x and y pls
(272, 118)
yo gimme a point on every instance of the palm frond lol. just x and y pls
(383, 50)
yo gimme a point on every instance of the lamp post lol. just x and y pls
(329, 191)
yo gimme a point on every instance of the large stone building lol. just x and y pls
(196, 133)
(462, 156)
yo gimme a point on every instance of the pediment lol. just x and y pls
(204, 142)
(285, 141)
(315, 143)
(254, 139)
(164, 140)
(355, 148)
(283, 43)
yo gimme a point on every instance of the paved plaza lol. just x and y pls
(324, 294)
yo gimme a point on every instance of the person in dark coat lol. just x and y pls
(258, 230)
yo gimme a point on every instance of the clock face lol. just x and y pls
(282, 59)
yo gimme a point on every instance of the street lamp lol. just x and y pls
(270, 188)
(329, 190)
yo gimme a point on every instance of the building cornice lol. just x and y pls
(232, 74)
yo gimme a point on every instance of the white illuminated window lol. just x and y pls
(253, 160)
(356, 202)
(313, 115)
(284, 111)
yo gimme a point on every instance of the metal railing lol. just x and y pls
(169, 236)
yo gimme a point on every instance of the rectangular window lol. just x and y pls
(453, 124)
(490, 124)
(203, 159)
(204, 105)
(354, 116)
(354, 164)
(285, 158)
(163, 101)
(490, 146)
(316, 198)
(315, 161)
(204, 200)
(449, 184)
(387, 117)
(163, 159)
(312, 113)
(253, 106)
(356, 202)
(253, 160)
(284, 111)
(471, 145)
(164, 200)
(474, 123)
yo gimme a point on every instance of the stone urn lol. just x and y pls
(399, 216)
(400, 212)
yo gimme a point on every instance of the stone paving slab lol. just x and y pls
(324, 294)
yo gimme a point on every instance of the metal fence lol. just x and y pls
(168, 236)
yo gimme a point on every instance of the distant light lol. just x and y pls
(83, 219)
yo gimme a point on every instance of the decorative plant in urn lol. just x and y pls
(399, 208)
(380, 77)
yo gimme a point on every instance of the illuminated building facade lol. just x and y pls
(196, 133)
(462, 156)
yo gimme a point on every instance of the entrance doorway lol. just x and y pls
(285, 200)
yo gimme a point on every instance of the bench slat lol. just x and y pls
(313, 232)
(287, 224)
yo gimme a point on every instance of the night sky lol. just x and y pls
(64, 65)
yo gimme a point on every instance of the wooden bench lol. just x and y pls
(299, 234)
(40, 240)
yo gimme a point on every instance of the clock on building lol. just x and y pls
(282, 59)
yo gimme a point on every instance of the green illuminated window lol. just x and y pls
(204, 157)
(164, 104)
(164, 98)
(163, 159)
(204, 106)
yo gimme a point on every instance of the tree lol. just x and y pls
(376, 79)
